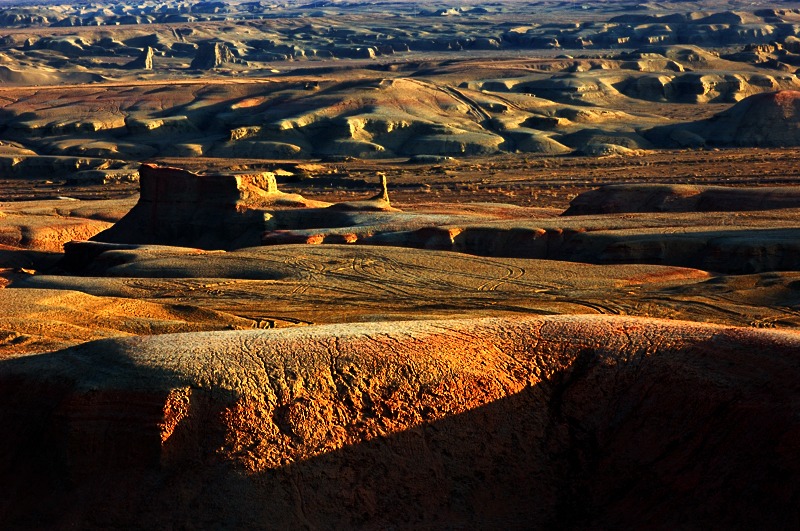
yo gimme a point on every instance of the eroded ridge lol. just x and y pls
(527, 422)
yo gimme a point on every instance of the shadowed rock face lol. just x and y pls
(178, 207)
(517, 423)
(767, 120)
(761, 120)
(616, 199)
(143, 62)
(212, 55)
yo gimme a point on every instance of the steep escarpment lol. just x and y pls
(178, 207)
(557, 421)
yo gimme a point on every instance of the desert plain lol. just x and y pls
(400, 265)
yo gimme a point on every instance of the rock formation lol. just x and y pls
(219, 211)
(769, 120)
(609, 422)
(40, 233)
(212, 55)
(384, 193)
(613, 199)
(377, 203)
(232, 211)
(143, 62)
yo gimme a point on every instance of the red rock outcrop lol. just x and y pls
(600, 422)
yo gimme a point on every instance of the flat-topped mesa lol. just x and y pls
(213, 211)
(161, 184)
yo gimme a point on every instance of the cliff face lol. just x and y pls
(144, 61)
(517, 423)
(178, 207)
(212, 55)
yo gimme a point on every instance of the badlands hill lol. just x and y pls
(111, 126)
(764, 120)
(768, 120)
(128, 83)
(563, 421)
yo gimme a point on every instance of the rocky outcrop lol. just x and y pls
(721, 249)
(769, 120)
(723, 242)
(611, 422)
(211, 55)
(143, 62)
(218, 211)
(614, 199)
(378, 203)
